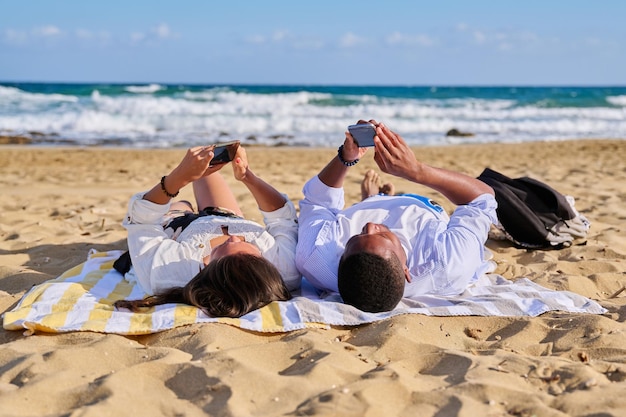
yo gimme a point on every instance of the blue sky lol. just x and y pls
(441, 42)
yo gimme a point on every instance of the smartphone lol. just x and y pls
(363, 134)
(224, 152)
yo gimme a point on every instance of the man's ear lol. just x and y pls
(407, 274)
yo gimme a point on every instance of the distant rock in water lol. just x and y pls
(15, 140)
(458, 133)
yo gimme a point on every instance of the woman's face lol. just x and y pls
(233, 245)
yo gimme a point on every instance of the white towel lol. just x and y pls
(82, 300)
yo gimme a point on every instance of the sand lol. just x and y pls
(59, 203)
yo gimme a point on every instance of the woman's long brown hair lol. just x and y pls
(227, 287)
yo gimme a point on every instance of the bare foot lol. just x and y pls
(370, 185)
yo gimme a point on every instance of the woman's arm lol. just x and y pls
(267, 197)
(194, 165)
(158, 261)
(282, 224)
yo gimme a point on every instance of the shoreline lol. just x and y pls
(7, 140)
(59, 202)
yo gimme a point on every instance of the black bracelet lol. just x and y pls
(343, 161)
(165, 191)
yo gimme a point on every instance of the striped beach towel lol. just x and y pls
(82, 299)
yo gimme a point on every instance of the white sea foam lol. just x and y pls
(144, 89)
(14, 100)
(617, 100)
(300, 118)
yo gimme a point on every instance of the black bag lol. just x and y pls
(533, 214)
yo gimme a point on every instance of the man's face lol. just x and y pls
(376, 239)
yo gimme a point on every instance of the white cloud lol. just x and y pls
(308, 44)
(83, 34)
(505, 46)
(47, 31)
(350, 40)
(14, 37)
(163, 31)
(256, 39)
(286, 38)
(479, 37)
(593, 42)
(104, 36)
(503, 40)
(87, 37)
(137, 37)
(279, 35)
(528, 41)
(21, 37)
(529, 37)
(153, 36)
(397, 38)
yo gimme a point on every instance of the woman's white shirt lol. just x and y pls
(164, 258)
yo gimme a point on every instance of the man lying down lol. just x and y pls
(391, 246)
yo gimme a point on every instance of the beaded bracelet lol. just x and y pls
(165, 191)
(343, 161)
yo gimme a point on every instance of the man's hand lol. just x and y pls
(393, 156)
(351, 150)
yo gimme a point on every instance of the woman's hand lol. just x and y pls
(196, 164)
(240, 164)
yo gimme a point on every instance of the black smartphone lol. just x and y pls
(224, 152)
(363, 134)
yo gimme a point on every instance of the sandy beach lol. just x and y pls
(58, 203)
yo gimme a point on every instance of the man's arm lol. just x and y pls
(334, 174)
(394, 157)
(315, 251)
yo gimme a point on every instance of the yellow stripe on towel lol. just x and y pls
(272, 320)
(70, 273)
(103, 308)
(98, 319)
(141, 323)
(228, 320)
(82, 299)
(59, 311)
(185, 314)
(24, 307)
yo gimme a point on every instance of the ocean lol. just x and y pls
(178, 115)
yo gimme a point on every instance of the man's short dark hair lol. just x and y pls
(370, 282)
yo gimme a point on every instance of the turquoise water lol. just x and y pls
(160, 115)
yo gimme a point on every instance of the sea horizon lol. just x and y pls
(315, 84)
(164, 115)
